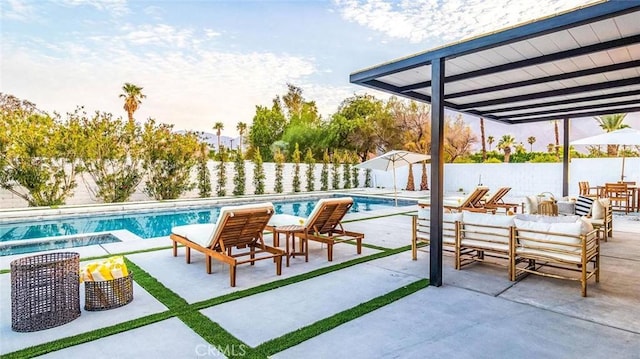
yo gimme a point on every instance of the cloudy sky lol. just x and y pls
(201, 62)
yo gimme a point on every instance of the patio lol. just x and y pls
(382, 294)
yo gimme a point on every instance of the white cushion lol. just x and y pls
(476, 222)
(547, 219)
(598, 208)
(448, 225)
(318, 207)
(531, 204)
(196, 233)
(569, 234)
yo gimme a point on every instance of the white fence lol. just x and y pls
(523, 178)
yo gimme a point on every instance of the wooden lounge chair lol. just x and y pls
(236, 227)
(473, 202)
(323, 225)
(496, 201)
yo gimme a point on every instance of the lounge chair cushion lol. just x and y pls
(197, 233)
(476, 222)
(583, 205)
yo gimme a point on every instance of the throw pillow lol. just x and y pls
(583, 206)
(531, 204)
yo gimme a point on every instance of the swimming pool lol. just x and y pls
(158, 223)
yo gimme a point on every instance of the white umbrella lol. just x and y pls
(393, 160)
(625, 136)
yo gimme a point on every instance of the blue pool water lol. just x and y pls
(158, 223)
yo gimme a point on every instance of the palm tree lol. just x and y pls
(484, 146)
(241, 127)
(132, 98)
(219, 126)
(531, 140)
(555, 129)
(505, 144)
(611, 123)
(490, 141)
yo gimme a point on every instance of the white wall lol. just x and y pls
(82, 194)
(524, 178)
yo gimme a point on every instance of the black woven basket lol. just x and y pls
(44, 291)
(108, 294)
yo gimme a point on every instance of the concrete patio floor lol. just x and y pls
(478, 312)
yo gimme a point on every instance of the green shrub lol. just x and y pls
(311, 166)
(239, 178)
(258, 172)
(204, 177)
(296, 169)
(324, 174)
(279, 158)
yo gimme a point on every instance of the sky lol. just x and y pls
(202, 62)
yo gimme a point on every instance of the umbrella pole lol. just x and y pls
(622, 175)
(395, 191)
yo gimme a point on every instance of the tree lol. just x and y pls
(335, 169)
(296, 169)
(367, 178)
(324, 174)
(218, 126)
(279, 159)
(411, 186)
(414, 120)
(424, 183)
(557, 134)
(40, 154)
(168, 158)
(221, 170)
(242, 128)
(133, 96)
(355, 175)
(267, 127)
(482, 140)
(458, 138)
(611, 123)
(111, 155)
(239, 177)
(490, 141)
(258, 172)
(531, 140)
(311, 166)
(204, 176)
(505, 144)
(346, 170)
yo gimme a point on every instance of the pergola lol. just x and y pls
(580, 63)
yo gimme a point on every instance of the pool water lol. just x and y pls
(158, 223)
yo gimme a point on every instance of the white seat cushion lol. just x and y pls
(476, 222)
(566, 233)
(196, 233)
(278, 220)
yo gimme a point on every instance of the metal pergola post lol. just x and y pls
(437, 171)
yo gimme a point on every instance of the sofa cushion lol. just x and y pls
(598, 208)
(565, 235)
(531, 204)
(583, 205)
(475, 226)
(448, 225)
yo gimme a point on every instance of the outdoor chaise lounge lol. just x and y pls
(322, 225)
(472, 202)
(496, 201)
(238, 227)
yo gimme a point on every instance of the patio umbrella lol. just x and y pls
(625, 136)
(392, 160)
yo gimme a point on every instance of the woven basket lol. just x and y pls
(108, 294)
(44, 291)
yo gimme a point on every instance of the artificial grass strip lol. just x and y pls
(163, 294)
(296, 337)
(376, 217)
(67, 342)
(295, 279)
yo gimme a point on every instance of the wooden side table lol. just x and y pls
(289, 231)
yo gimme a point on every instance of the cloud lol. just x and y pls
(191, 86)
(17, 10)
(114, 7)
(440, 21)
